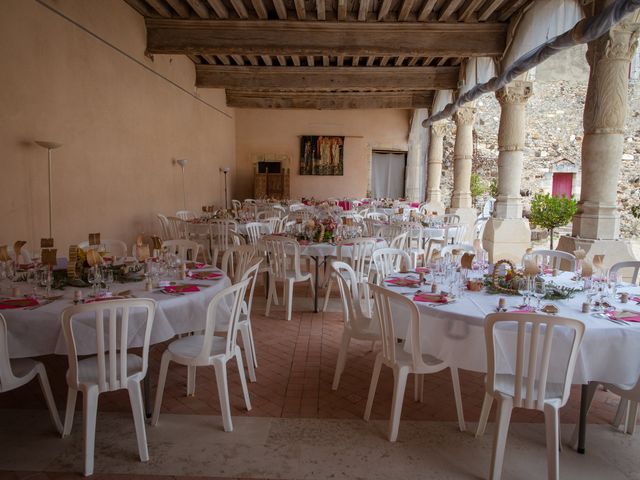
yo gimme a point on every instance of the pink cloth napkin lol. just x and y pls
(196, 265)
(422, 269)
(522, 310)
(345, 205)
(205, 275)
(403, 282)
(18, 303)
(635, 299)
(430, 298)
(625, 315)
(181, 288)
(415, 204)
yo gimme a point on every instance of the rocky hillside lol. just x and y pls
(554, 132)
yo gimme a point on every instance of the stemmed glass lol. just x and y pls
(108, 278)
(32, 280)
(45, 278)
(539, 290)
(94, 277)
(524, 290)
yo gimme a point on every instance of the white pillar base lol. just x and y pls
(468, 217)
(506, 238)
(614, 251)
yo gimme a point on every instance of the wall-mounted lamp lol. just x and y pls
(183, 163)
(49, 146)
(225, 170)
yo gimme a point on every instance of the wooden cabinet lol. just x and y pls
(271, 185)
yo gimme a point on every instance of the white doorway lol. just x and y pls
(387, 174)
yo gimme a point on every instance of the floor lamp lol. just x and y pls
(225, 170)
(49, 146)
(183, 163)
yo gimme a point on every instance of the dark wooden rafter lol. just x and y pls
(255, 37)
(220, 8)
(179, 7)
(490, 7)
(426, 10)
(199, 7)
(260, 9)
(281, 9)
(327, 100)
(406, 78)
(321, 9)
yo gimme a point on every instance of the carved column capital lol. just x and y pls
(439, 129)
(609, 56)
(465, 116)
(517, 92)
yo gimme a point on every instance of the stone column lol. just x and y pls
(461, 203)
(596, 227)
(507, 234)
(434, 166)
(414, 186)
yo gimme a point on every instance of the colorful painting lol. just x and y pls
(321, 155)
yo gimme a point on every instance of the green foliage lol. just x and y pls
(550, 212)
(493, 188)
(478, 186)
(635, 211)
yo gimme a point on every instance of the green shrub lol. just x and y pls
(550, 212)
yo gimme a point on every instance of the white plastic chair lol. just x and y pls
(254, 232)
(244, 322)
(394, 356)
(633, 265)
(114, 247)
(165, 229)
(275, 224)
(357, 325)
(372, 226)
(553, 259)
(537, 339)
(379, 216)
(461, 247)
(387, 261)
(237, 259)
(20, 371)
(359, 260)
(223, 236)
(177, 228)
(184, 249)
(209, 350)
(112, 368)
(186, 215)
(236, 205)
(284, 265)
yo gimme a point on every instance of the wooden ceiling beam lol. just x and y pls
(405, 10)
(399, 60)
(328, 100)
(449, 10)
(384, 9)
(179, 7)
(511, 9)
(426, 10)
(342, 10)
(321, 9)
(219, 8)
(296, 60)
(199, 7)
(241, 10)
(266, 59)
(488, 9)
(141, 7)
(282, 60)
(261, 10)
(469, 10)
(407, 78)
(160, 7)
(281, 9)
(211, 59)
(363, 10)
(301, 11)
(260, 37)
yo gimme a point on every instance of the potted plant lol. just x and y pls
(551, 212)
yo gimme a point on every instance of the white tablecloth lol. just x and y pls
(322, 250)
(39, 332)
(455, 333)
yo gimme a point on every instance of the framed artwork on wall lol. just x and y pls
(321, 155)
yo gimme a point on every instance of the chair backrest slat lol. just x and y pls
(112, 339)
(7, 378)
(544, 334)
(633, 265)
(387, 261)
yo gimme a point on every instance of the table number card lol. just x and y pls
(46, 242)
(49, 256)
(94, 239)
(467, 260)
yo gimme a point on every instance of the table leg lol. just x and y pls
(146, 386)
(582, 422)
(315, 296)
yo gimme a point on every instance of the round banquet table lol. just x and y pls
(36, 332)
(454, 332)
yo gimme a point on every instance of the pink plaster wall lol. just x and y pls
(121, 124)
(278, 132)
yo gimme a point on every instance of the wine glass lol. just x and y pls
(539, 290)
(614, 281)
(45, 279)
(32, 280)
(524, 290)
(108, 278)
